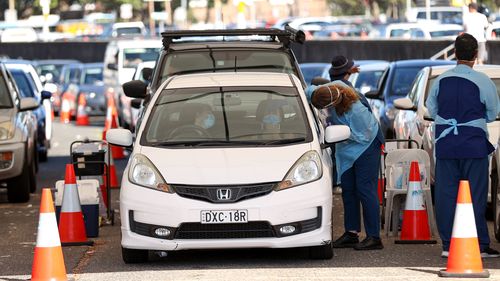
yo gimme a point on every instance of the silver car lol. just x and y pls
(410, 122)
(18, 129)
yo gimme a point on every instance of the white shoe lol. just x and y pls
(445, 254)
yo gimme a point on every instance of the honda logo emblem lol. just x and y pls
(224, 194)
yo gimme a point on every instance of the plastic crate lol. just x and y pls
(89, 159)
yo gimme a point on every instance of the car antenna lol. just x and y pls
(235, 60)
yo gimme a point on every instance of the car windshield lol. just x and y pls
(311, 72)
(92, 75)
(213, 60)
(23, 84)
(5, 101)
(53, 69)
(133, 56)
(128, 31)
(227, 116)
(402, 80)
(442, 33)
(367, 80)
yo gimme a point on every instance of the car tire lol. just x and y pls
(32, 176)
(18, 188)
(42, 156)
(134, 255)
(323, 252)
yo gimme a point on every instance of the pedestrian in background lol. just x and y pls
(462, 101)
(357, 162)
(475, 24)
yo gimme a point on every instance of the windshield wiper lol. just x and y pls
(206, 143)
(284, 141)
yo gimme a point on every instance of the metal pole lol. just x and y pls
(427, 9)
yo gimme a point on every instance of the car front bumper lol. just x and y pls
(308, 207)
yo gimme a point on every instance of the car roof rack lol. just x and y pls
(284, 36)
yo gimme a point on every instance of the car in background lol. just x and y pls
(128, 29)
(30, 86)
(423, 31)
(396, 83)
(18, 34)
(493, 31)
(17, 140)
(139, 75)
(91, 85)
(250, 183)
(439, 15)
(120, 61)
(69, 77)
(411, 121)
(368, 77)
(314, 69)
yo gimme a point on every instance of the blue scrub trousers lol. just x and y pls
(448, 174)
(359, 185)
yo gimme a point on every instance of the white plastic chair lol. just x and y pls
(397, 169)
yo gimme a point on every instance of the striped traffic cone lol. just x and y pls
(48, 262)
(118, 152)
(415, 229)
(82, 119)
(464, 259)
(71, 225)
(64, 113)
(112, 171)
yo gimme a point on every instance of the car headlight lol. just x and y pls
(5, 131)
(307, 169)
(142, 172)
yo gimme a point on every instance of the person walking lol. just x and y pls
(357, 162)
(475, 24)
(462, 101)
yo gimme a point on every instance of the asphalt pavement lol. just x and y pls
(18, 227)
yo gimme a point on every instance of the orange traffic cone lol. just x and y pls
(82, 119)
(112, 171)
(415, 229)
(64, 113)
(464, 259)
(48, 263)
(117, 150)
(71, 225)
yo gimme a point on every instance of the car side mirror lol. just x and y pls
(46, 95)
(136, 103)
(404, 104)
(147, 73)
(119, 137)
(336, 133)
(373, 94)
(28, 104)
(112, 66)
(135, 89)
(318, 80)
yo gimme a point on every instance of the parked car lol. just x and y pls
(120, 61)
(197, 51)
(439, 15)
(30, 86)
(423, 31)
(251, 182)
(311, 70)
(369, 76)
(17, 140)
(410, 122)
(396, 83)
(91, 85)
(70, 76)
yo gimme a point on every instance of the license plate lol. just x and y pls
(227, 216)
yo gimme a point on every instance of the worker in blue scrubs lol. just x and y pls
(462, 101)
(357, 162)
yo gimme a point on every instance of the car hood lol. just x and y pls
(205, 166)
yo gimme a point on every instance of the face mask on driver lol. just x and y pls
(208, 121)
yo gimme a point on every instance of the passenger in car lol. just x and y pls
(357, 162)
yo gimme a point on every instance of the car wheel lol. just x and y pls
(32, 176)
(42, 156)
(323, 252)
(18, 188)
(134, 255)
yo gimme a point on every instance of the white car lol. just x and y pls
(423, 30)
(228, 160)
(410, 122)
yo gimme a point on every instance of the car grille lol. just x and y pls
(232, 193)
(254, 229)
